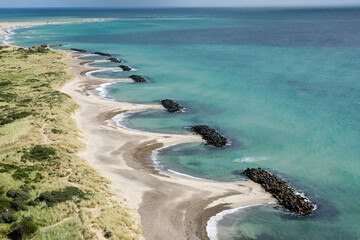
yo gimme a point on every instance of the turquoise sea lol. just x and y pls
(282, 84)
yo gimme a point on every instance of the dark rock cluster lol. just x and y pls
(285, 195)
(138, 78)
(78, 50)
(114, 60)
(103, 54)
(125, 68)
(211, 136)
(171, 105)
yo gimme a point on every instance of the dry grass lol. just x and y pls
(41, 114)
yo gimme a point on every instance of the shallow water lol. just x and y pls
(282, 85)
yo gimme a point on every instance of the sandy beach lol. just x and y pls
(170, 207)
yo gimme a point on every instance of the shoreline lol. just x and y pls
(170, 207)
(7, 28)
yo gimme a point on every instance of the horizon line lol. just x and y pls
(357, 5)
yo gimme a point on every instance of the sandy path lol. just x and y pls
(170, 207)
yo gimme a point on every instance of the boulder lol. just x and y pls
(114, 60)
(171, 105)
(138, 78)
(103, 54)
(210, 135)
(125, 68)
(285, 195)
(78, 50)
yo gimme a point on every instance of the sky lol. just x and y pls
(172, 3)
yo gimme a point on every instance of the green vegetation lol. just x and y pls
(7, 218)
(40, 153)
(22, 229)
(54, 197)
(46, 190)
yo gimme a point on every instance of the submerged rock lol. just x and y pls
(138, 78)
(285, 195)
(125, 68)
(114, 60)
(78, 50)
(103, 54)
(211, 136)
(171, 105)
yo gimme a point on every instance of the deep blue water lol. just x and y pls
(282, 84)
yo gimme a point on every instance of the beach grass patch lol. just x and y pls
(34, 113)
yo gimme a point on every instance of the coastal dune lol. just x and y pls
(170, 206)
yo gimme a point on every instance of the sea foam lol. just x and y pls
(158, 166)
(102, 89)
(250, 159)
(119, 119)
(211, 227)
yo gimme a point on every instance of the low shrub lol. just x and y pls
(4, 204)
(40, 153)
(18, 205)
(4, 168)
(37, 50)
(54, 197)
(26, 188)
(56, 131)
(20, 174)
(13, 116)
(33, 202)
(108, 234)
(5, 83)
(7, 218)
(22, 229)
(38, 177)
(18, 194)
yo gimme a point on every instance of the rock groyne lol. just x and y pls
(78, 50)
(171, 105)
(114, 60)
(138, 79)
(103, 54)
(285, 195)
(125, 68)
(210, 135)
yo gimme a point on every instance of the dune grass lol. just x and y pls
(51, 191)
